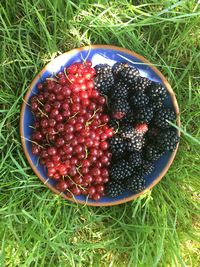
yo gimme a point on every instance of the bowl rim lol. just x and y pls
(174, 102)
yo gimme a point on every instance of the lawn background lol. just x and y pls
(38, 228)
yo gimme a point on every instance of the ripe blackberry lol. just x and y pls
(141, 84)
(167, 140)
(152, 153)
(104, 82)
(156, 104)
(117, 68)
(127, 131)
(120, 90)
(136, 142)
(162, 116)
(120, 109)
(157, 91)
(147, 167)
(139, 99)
(120, 170)
(144, 114)
(135, 159)
(125, 71)
(136, 183)
(129, 74)
(117, 145)
(103, 69)
(114, 188)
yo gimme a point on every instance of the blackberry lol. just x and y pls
(118, 67)
(125, 71)
(152, 153)
(120, 170)
(144, 114)
(117, 145)
(129, 74)
(127, 131)
(147, 167)
(104, 82)
(103, 69)
(120, 90)
(167, 140)
(157, 91)
(162, 116)
(136, 142)
(139, 99)
(114, 188)
(136, 183)
(141, 84)
(135, 159)
(156, 104)
(120, 109)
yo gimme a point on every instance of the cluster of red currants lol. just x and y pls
(71, 131)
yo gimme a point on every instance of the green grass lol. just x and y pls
(38, 228)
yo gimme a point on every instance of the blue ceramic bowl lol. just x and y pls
(97, 54)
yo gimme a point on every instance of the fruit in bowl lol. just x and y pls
(99, 130)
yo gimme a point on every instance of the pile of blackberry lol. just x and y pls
(141, 122)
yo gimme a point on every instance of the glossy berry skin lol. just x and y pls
(61, 186)
(71, 131)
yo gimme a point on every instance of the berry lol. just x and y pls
(136, 183)
(167, 140)
(120, 170)
(163, 116)
(129, 74)
(152, 153)
(136, 142)
(156, 105)
(127, 131)
(117, 68)
(120, 109)
(117, 145)
(120, 90)
(62, 186)
(139, 99)
(114, 189)
(135, 159)
(104, 82)
(144, 114)
(125, 71)
(71, 123)
(156, 91)
(141, 128)
(141, 84)
(103, 69)
(147, 167)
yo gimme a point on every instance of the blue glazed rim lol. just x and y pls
(97, 54)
